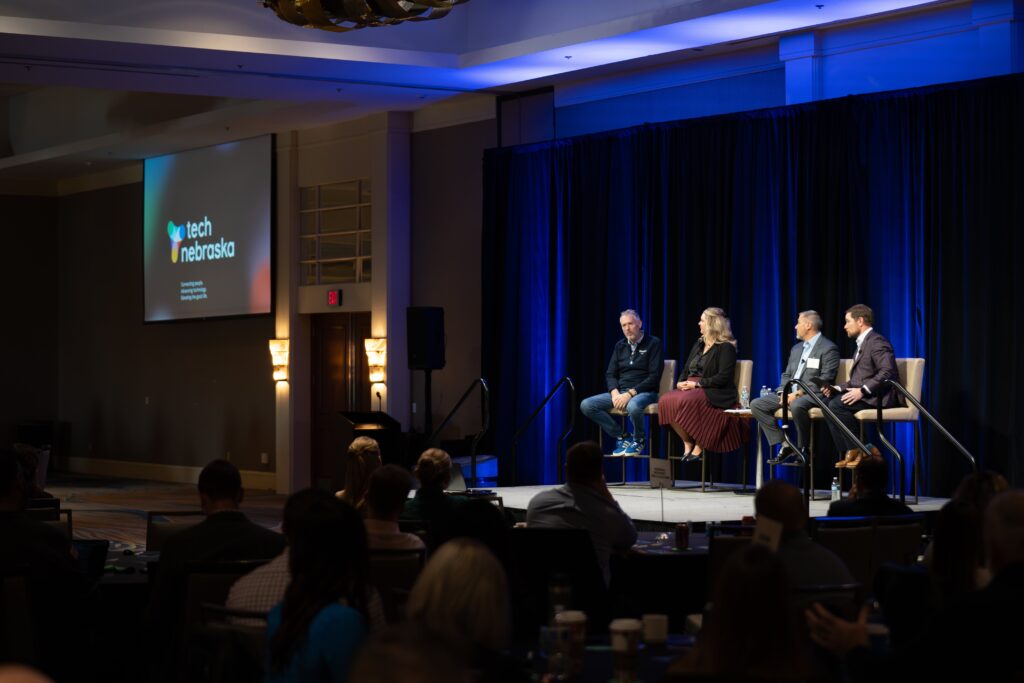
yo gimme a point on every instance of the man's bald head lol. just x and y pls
(782, 502)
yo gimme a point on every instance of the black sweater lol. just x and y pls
(719, 378)
(643, 373)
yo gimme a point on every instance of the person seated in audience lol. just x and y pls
(462, 594)
(385, 499)
(972, 497)
(868, 497)
(315, 632)
(975, 638)
(262, 588)
(55, 587)
(585, 502)
(362, 458)
(807, 563)
(430, 504)
(751, 631)
(225, 534)
(29, 457)
(410, 653)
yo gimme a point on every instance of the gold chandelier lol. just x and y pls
(348, 15)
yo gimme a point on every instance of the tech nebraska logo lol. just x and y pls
(199, 251)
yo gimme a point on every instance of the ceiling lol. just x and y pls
(136, 78)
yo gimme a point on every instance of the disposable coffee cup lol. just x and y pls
(655, 628)
(576, 623)
(625, 635)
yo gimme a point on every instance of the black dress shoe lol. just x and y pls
(792, 458)
(785, 453)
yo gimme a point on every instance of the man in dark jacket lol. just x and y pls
(633, 378)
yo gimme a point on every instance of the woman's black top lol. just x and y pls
(717, 372)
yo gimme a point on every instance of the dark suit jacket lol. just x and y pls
(874, 504)
(222, 536)
(719, 379)
(827, 354)
(876, 363)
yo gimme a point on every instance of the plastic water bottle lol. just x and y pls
(744, 397)
(836, 493)
(765, 391)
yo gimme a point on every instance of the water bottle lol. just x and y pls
(744, 397)
(766, 391)
(836, 493)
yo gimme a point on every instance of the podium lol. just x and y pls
(378, 426)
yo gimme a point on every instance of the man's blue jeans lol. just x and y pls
(597, 409)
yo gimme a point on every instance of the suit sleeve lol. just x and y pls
(655, 366)
(884, 360)
(611, 375)
(791, 366)
(829, 365)
(726, 370)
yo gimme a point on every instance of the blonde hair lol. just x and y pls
(718, 327)
(362, 458)
(434, 468)
(462, 593)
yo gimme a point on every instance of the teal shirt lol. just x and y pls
(330, 647)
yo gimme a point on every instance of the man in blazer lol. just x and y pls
(873, 363)
(813, 356)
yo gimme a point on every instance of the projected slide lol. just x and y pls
(206, 232)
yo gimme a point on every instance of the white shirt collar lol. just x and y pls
(812, 341)
(633, 345)
(862, 335)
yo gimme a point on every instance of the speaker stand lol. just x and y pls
(428, 408)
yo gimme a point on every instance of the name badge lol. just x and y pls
(814, 363)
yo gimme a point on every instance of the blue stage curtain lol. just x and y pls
(910, 202)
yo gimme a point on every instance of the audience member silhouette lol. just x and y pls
(751, 630)
(386, 495)
(361, 459)
(869, 498)
(315, 631)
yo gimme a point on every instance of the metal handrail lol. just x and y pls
(485, 416)
(892, 448)
(826, 411)
(572, 423)
(935, 423)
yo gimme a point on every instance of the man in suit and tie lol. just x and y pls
(873, 363)
(813, 356)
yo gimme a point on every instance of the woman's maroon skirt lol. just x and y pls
(712, 428)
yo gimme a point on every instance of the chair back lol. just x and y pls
(911, 371)
(210, 582)
(223, 650)
(840, 599)
(843, 372)
(43, 514)
(54, 518)
(35, 503)
(161, 524)
(17, 633)
(539, 555)
(742, 376)
(668, 377)
(393, 573)
(721, 546)
(853, 545)
(898, 540)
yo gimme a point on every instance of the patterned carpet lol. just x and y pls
(115, 509)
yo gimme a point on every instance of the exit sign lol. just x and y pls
(334, 297)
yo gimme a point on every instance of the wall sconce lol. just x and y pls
(377, 358)
(279, 357)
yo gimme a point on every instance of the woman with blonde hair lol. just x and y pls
(695, 409)
(362, 458)
(462, 593)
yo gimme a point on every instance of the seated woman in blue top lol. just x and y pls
(315, 632)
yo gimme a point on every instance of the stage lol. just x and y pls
(643, 503)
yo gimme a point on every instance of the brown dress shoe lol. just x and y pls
(849, 457)
(853, 464)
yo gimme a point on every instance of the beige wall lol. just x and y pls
(28, 280)
(447, 206)
(177, 394)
